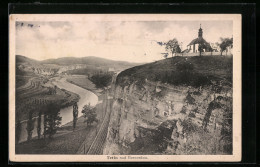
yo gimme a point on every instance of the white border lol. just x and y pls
(237, 127)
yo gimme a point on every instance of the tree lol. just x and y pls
(225, 43)
(52, 120)
(201, 47)
(30, 126)
(173, 46)
(75, 115)
(211, 50)
(18, 129)
(89, 114)
(102, 79)
(39, 125)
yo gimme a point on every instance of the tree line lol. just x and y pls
(52, 120)
(173, 46)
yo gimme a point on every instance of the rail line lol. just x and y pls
(97, 145)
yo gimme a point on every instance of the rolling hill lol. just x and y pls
(91, 60)
(51, 66)
(190, 71)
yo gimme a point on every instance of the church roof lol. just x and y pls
(197, 41)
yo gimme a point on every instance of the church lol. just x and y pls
(193, 46)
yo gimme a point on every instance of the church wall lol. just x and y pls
(204, 54)
(196, 48)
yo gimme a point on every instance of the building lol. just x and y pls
(193, 46)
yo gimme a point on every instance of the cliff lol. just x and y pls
(181, 115)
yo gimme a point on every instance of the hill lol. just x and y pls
(25, 60)
(71, 65)
(190, 71)
(96, 61)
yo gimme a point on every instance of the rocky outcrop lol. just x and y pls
(156, 118)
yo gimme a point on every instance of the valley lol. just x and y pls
(175, 106)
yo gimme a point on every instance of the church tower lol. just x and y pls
(200, 32)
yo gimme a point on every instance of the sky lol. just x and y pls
(132, 41)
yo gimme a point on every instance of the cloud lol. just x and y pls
(127, 41)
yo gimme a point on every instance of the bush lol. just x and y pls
(102, 80)
(183, 110)
(89, 114)
(189, 99)
(192, 115)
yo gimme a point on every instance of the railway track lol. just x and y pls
(97, 145)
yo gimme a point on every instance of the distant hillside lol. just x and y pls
(87, 60)
(71, 65)
(190, 71)
(25, 60)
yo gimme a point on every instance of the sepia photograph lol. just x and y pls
(125, 87)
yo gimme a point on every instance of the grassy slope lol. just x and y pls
(66, 141)
(205, 69)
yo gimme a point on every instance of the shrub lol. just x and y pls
(101, 80)
(189, 99)
(183, 110)
(192, 115)
(89, 113)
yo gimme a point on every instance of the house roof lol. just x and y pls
(197, 40)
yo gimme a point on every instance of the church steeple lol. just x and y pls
(200, 32)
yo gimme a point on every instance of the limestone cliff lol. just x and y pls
(151, 117)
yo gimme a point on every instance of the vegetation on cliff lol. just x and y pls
(187, 71)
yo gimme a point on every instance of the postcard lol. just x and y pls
(125, 88)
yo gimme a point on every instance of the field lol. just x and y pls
(84, 82)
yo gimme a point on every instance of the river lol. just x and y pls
(86, 97)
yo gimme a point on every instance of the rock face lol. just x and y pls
(156, 118)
